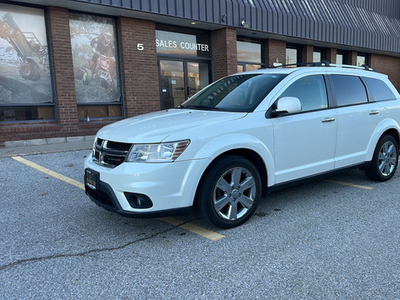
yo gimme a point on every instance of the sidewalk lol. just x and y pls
(44, 146)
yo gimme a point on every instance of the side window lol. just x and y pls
(379, 89)
(349, 90)
(310, 90)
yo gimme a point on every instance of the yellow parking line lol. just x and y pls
(44, 170)
(208, 234)
(350, 184)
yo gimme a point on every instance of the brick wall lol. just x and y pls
(64, 80)
(307, 53)
(140, 78)
(224, 50)
(140, 70)
(275, 51)
(331, 55)
(388, 65)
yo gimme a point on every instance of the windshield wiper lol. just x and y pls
(201, 107)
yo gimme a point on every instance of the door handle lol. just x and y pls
(328, 120)
(374, 112)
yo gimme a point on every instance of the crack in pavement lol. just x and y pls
(82, 254)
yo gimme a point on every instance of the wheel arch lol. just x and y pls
(387, 127)
(394, 133)
(248, 154)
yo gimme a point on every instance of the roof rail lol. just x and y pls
(363, 67)
(322, 63)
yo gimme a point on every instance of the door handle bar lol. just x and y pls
(328, 120)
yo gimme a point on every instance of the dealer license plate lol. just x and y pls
(91, 178)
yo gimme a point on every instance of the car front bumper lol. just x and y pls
(170, 187)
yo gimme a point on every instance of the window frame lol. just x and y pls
(119, 73)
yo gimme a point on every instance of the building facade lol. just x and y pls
(69, 67)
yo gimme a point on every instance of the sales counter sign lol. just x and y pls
(182, 44)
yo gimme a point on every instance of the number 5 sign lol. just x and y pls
(140, 47)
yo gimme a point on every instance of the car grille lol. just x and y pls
(110, 154)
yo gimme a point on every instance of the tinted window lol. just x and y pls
(349, 90)
(240, 93)
(310, 90)
(379, 89)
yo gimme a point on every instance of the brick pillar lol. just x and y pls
(307, 54)
(352, 58)
(275, 51)
(139, 66)
(224, 50)
(331, 55)
(64, 80)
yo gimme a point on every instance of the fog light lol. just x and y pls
(138, 200)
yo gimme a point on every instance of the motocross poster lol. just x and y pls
(24, 64)
(94, 54)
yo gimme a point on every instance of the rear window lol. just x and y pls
(349, 90)
(380, 91)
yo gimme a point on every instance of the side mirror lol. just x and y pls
(287, 105)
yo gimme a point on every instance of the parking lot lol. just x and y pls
(333, 238)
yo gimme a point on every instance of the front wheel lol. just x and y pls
(229, 192)
(385, 159)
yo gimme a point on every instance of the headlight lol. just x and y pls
(163, 152)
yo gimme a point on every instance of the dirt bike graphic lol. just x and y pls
(99, 67)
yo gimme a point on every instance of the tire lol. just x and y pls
(30, 71)
(25, 71)
(229, 192)
(385, 159)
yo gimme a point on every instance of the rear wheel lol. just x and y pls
(229, 191)
(385, 159)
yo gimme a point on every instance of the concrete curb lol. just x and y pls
(42, 146)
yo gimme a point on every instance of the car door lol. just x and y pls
(304, 143)
(357, 119)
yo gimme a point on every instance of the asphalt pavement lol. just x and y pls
(336, 238)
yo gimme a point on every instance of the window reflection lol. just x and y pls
(291, 56)
(249, 56)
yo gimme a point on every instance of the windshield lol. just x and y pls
(239, 93)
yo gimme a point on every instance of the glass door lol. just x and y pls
(172, 83)
(180, 79)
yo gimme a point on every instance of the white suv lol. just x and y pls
(243, 136)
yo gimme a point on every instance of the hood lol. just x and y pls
(158, 126)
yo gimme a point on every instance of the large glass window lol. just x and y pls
(342, 57)
(319, 54)
(249, 56)
(291, 56)
(349, 90)
(94, 54)
(26, 91)
(362, 59)
(311, 92)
